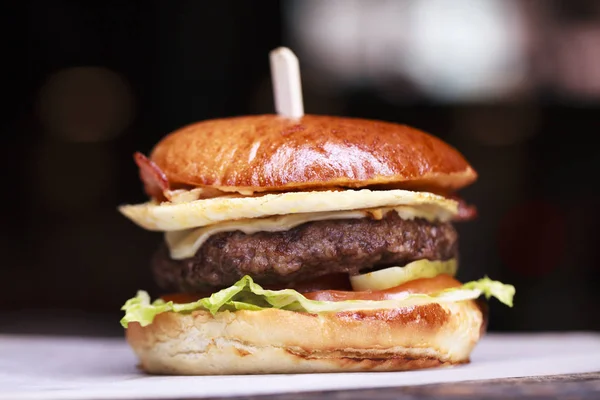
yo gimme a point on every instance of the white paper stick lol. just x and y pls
(287, 87)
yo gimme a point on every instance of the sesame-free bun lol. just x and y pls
(278, 341)
(273, 153)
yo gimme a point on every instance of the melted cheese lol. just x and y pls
(185, 243)
(185, 213)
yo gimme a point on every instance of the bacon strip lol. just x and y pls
(154, 179)
(466, 212)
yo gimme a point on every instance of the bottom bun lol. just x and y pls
(278, 341)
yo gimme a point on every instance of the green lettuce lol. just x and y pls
(247, 295)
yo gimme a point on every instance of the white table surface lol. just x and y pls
(46, 367)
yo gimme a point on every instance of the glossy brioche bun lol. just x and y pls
(277, 341)
(273, 153)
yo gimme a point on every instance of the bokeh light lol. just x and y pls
(86, 104)
(466, 50)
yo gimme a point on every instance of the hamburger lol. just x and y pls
(316, 244)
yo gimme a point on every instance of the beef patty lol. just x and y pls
(307, 251)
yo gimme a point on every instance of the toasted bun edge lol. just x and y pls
(279, 341)
(271, 153)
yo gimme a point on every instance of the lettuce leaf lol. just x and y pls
(247, 295)
(489, 288)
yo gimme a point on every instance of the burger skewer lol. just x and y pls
(287, 86)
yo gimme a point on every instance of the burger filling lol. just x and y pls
(246, 295)
(401, 253)
(307, 252)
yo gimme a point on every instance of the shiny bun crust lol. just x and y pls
(271, 153)
(277, 341)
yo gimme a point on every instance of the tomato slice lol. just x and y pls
(424, 285)
(314, 289)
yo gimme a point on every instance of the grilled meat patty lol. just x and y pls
(306, 252)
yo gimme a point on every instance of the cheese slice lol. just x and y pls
(185, 243)
(170, 216)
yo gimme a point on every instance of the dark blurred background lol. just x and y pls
(515, 85)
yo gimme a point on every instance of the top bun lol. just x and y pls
(273, 153)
